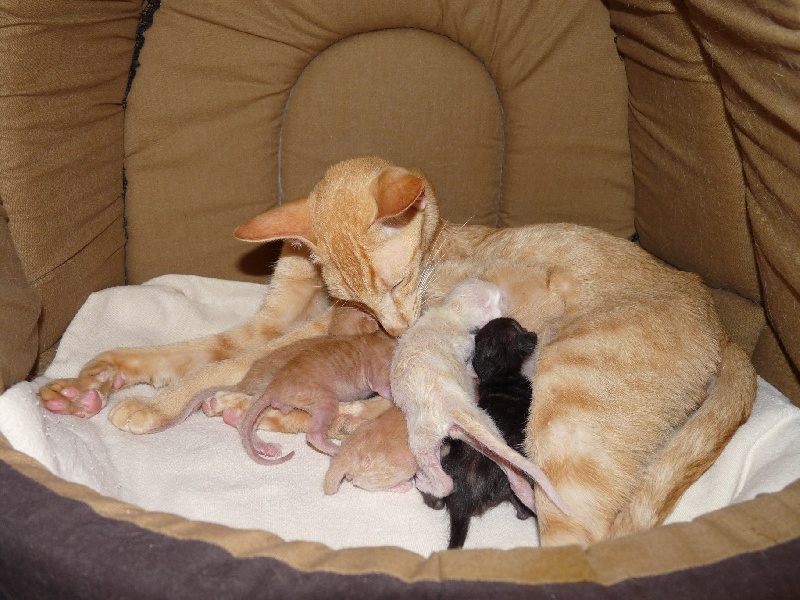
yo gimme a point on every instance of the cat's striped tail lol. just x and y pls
(694, 447)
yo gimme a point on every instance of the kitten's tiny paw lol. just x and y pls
(71, 397)
(231, 416)
(267, 449)
(223, 401)
(136, 415)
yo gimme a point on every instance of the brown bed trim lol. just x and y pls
(55, 547)
(38, 505)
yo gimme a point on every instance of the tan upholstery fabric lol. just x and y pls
(690, 207)
(755, 48)
(64, 68)
(516, 111)
(19, 314)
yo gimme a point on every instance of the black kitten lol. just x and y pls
(501, 347)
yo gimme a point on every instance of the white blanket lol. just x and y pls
(200, 471)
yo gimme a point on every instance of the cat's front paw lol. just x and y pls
(71, 397)
(85, 395)
(137, 415)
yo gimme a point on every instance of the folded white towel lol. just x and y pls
(200, 471)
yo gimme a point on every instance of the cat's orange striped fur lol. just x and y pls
(636, 386)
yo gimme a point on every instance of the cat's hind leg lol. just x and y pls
(693, 447)
(321, 419)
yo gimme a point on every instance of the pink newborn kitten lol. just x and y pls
(321, 372)
(232, 401)
(432, 386)
(375, 457)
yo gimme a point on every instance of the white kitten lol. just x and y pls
(432, 386)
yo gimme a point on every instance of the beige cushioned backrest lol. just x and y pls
(755, 49)
(715, 132)
(517, 111)
(64, 68)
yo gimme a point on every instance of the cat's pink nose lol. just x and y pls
(396, 326)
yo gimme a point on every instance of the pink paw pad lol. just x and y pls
(231, 416)
(119, 381)
(91, 402)
(56, 406)
(210, 407)
(72, 403)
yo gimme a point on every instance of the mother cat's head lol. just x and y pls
(369, 225)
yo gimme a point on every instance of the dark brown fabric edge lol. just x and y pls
(53, 547)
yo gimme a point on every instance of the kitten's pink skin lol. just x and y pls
(320, 373)
(403, 487)
(270, 453)
(231, 416)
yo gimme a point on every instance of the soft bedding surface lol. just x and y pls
(199, 470)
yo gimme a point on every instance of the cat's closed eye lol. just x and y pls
(399, 283)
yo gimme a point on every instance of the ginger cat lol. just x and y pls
(636, 387)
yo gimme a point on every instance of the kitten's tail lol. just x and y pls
(475, 427)
(695, 446)
(261, 452)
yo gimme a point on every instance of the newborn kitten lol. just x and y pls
(431, 385)
(504, 393)
(375, 457)
(321, 372)
(232, 401)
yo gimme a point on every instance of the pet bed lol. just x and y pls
(199, 470)
(669, 121)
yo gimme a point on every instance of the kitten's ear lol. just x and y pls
(287, 221)
(399, 196)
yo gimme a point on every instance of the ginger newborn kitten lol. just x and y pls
(504, 393)
(320, 373)
(375, 457)
(432, 386)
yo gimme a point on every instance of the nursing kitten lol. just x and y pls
(504, 393)
(375, 457)
(637, 388)
(432, 386)
(232, 401)
(321, 373)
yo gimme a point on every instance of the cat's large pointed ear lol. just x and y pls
(399, 195)
(287, 221)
